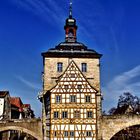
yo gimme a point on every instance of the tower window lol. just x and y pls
(72, 75)
(87, 99)
(56, 115)
(72, 98)
(76, 114)
(84, 67)
(66, 86)
(71, 133)
(88, 134)
(59, 67)
(55, 133)
(66, 134)
(89, 114)
(58, 99)
(64, 114)
(79, 87)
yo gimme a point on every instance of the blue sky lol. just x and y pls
(29, 27)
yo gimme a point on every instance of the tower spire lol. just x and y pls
(70, 9)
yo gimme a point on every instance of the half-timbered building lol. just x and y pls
(71, 97)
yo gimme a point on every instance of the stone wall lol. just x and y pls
(110, 125)
(29, 126)
(51, 75)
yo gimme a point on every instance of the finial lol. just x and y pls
(70, 9)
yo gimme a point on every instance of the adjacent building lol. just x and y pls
(5, 106)
(13, 107)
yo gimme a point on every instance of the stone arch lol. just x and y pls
(111, 125)
(6, 128)
(125, 128)
(129, 124)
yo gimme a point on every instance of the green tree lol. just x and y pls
(125, 101)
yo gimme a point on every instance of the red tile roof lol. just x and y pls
(16, 101)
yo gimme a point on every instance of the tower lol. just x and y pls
(71, 97)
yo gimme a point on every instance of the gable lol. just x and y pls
(73, 81)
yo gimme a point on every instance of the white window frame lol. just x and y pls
(88, 134)
(89, 114)
(87, 98)
(55, 114)
(77, 114)
(72, 134)
(72, 98)
(64, 114)
(59, 67)
(84, 67)
(66, 134)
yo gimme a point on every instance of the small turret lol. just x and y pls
(70, 27)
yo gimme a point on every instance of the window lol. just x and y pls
(88, 134)
(79, 87)
(66, 86)
(84, 67)
(56, 115)
(87, 98)
(73, 98)
(59, 67)
(64, 114)
(65, 133)
(89, 114)
(55, 133)
(58, 99)
(76, 114)
(72, 75)
(71, 133)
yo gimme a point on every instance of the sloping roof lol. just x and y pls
(3, 93)
(72, 50)
(16, 101)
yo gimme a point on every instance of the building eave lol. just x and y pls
(72, 54)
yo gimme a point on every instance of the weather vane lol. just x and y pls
(70, 10)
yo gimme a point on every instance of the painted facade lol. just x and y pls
(71, 97)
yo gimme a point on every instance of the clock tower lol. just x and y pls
(71, 97)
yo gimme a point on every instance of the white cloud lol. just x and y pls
(32, 85)
(121, 83)
(48, 10)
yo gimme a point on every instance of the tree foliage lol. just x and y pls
(128, 99)
(126, 102)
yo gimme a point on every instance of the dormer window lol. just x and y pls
(59, 67)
